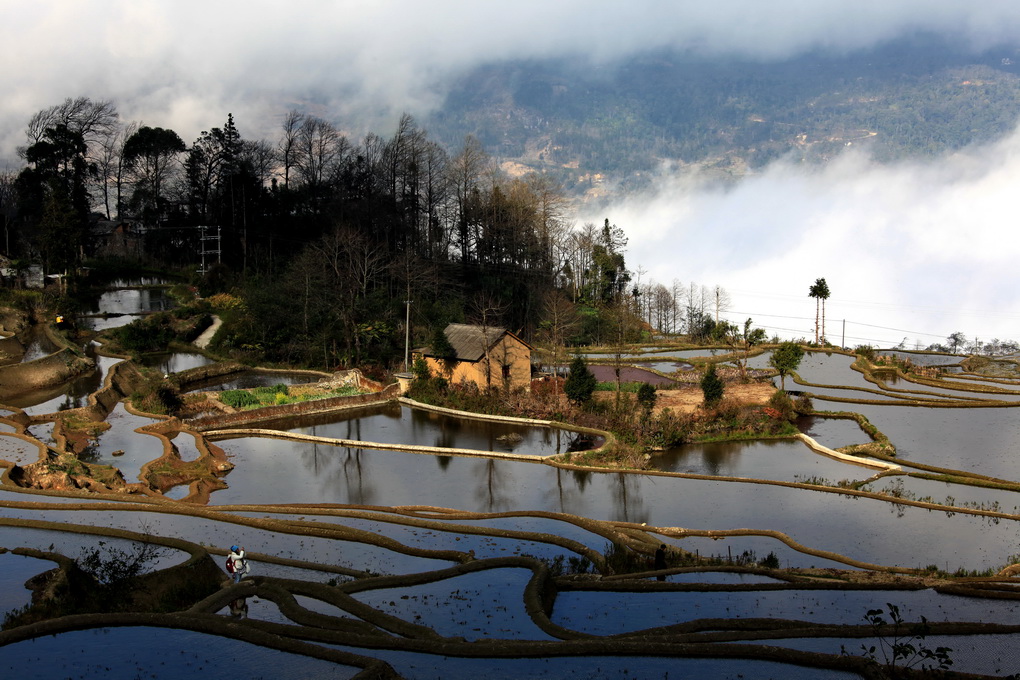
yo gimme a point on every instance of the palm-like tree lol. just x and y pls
(820, 292)
(823, 292)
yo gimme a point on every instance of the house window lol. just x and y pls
(506, 372)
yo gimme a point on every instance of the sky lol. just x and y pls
(919, 248)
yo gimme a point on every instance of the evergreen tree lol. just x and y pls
(646, 397)
(441, 346)
(581, 383)
(712, 387)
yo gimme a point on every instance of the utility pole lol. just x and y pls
(843, 343)
(407, 335)
(203, 237)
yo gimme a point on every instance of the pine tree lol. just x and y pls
(712, 387)
(581, 383)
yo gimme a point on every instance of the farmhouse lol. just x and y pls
(487, 356)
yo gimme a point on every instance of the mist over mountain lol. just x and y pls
(622, 120)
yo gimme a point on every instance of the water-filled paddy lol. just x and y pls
(18, 451)
(872, 531)
(832, 432)
(664, 352)
(37, 345)
(611, 613)
(962, 495)
(286, 472)
(993, 655)
(788, 460)
(352, 554)
(250, 379)
(137, 448)
(176, 362)
(981, 440)
(121, 306)
(664, 366)
(393, 424)
(128, 654)
(629, 374)
(484, 604)
(72, 394)
(925, 358)
(14, 571)
(482, 545)
(412, 665)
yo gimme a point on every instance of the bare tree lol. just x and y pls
(288, 146)
(435, 190)
(466, 170)
(559, 322)
(258, 156)
(319, 152)
(8, 207)
(550, 211)
(487, 312)
(94, 120)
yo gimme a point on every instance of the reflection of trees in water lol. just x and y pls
(719, 455)
(358, 492)
(70, 402)
(353, 429)
(90, 452)
(445, 438)
(492, 487)
(567, 497)
(332, 468)
(440, 429)
(581, 478)
(628, 505)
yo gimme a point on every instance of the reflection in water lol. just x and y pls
(628, 504)
(73, 394)
(391, 423)
(834, 432)
(248, 380)
(780, 459)
(177, 362)
(120, 306)
(37, 345)
(358, 490)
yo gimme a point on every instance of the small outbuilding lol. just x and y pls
(487, 356)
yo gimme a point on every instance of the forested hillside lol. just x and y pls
(917, 97)
(321, 240)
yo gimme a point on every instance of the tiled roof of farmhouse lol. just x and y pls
(470, 342)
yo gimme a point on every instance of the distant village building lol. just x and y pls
(118, 238)
(487, 356)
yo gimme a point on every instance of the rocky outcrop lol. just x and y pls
(71, 475)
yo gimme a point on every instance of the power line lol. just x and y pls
(840, 302)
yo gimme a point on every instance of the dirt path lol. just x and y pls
(203, 340)
(688, 399)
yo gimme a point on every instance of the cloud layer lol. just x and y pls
(926, 249)
(186, 64)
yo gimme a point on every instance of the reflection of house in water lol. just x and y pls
(20, 274)
(118, 238)
(487, 356)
